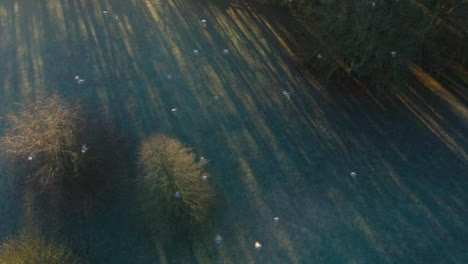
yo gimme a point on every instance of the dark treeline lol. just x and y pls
(376, 41)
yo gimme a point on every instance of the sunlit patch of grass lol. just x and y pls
(56, 9)
(369, 234)
(4, 19)
(256, 193)
(414, 198)
(438, 89)
(161, 253)
(433, 124)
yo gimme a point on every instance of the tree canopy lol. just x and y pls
(377, 41)
(33, 249)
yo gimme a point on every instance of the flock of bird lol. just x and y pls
(218, 238)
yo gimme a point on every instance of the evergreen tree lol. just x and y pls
(378, 40)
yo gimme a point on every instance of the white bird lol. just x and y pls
(203, 160)
(353, 174)
(84, 148)
(31, 156)
(218, 239)
(77, 78)
(258, 245)
(203, 21)
(196, 52)
(174, 111)
(81, 81)
(319, 56)
(105, 12)
(276, 219)
(205, 178)
(226, 52)
(394, 53)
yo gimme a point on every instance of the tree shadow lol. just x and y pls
(269, 156)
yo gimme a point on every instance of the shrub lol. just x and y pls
(32, 249)
(170, 168)
(44, 133)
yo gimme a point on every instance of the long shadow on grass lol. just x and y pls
(269, 156)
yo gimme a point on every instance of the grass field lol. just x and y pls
(269, 156)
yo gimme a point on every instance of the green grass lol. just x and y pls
(268, 156)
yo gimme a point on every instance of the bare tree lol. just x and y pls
(33, 249)
(44, 134)
(173, 179)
